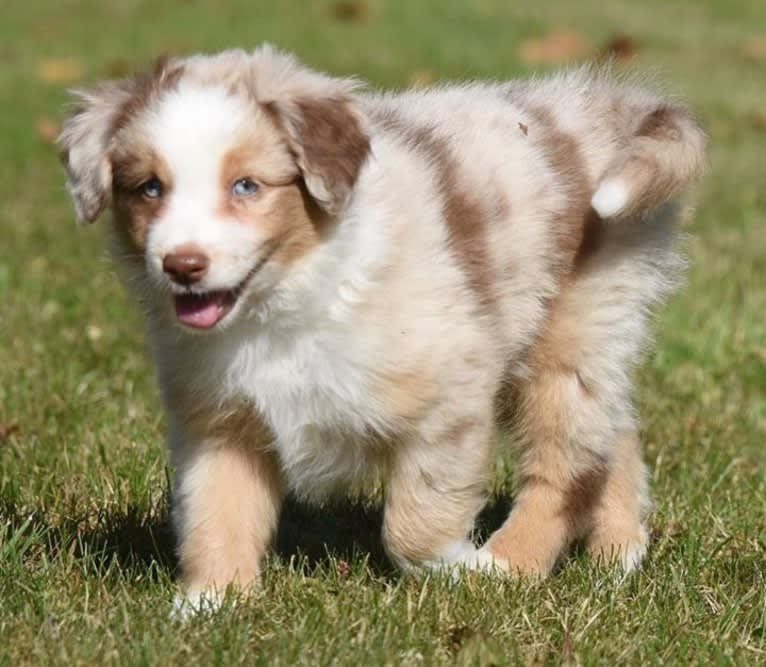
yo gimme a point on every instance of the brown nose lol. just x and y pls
(185, 266)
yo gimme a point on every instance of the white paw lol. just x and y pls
(461, 557)
(610, 198)
(186, 605)
(634, 553)
(488, 561)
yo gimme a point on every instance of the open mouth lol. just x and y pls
(204, 311)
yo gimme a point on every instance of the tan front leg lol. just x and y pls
(226, 503)
(435, 487)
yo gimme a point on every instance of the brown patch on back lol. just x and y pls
(577, 228)
(466, 223)
(579, 233)
(464, 216)
(592, 239)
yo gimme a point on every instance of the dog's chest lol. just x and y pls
(314, 396)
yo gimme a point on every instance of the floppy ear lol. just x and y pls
(83, 143)
(322, 121)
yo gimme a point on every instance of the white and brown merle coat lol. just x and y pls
(339, 283)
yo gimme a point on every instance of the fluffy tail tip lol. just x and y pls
(610, 198)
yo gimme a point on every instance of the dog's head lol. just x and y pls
(223, 172)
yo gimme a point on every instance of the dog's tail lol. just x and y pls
(663, 153)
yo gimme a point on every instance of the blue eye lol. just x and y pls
(152, 188)
(244, 187)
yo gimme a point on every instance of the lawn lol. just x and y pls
(86, 557)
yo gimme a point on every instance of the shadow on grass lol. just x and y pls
(141, 539)
(138, 539)
(341, 530)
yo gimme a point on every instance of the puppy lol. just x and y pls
(340, 283)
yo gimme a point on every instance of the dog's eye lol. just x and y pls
(152, 188)
(244, 187)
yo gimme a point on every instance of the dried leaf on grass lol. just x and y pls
(350, 10)
(622, 48)
(46, 129)
(558, 46)
(117, 69)
(567, 653)
(94, 332)
(59, 70)
(342, 569)
(420, 77)
(754, 49)
(458, 634)
(759, 119)
(7, 430)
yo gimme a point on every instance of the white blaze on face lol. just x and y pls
(192, 130)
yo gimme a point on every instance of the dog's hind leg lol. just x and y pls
(581, 476)
(618, 533)
(565, 435)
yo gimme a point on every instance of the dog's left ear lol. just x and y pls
(322, 122)
(83, 143)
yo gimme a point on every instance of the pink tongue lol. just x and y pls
(201, 312)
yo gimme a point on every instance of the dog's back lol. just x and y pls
(561, 185)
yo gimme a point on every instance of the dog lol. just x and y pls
(341, 284)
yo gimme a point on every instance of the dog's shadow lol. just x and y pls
(310, 536)
(346, 530)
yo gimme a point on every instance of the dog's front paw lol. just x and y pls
(187, 604)
(462, 557)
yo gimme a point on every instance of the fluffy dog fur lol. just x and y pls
(407, 272)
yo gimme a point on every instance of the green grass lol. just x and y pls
(86, 564)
